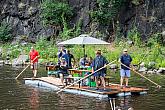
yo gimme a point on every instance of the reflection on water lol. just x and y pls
(34, 99)
(124, 103)
(17, 96)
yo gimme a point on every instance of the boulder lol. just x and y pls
(159, 71)
(113, 66)
(150, 72)
(1, 61)
(20, 60)
(142, 69)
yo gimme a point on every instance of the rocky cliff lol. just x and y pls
(24, 17)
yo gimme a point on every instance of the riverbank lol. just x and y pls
(153, 58)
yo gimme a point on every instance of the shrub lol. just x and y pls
(5, 32)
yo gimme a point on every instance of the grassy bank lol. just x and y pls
(48, 51)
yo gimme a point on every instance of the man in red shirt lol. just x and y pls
(34, 55)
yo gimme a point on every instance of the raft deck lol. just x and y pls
(111, 90)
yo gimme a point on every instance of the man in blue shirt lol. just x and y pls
(99, 62)
(68, 57)
(83, 61)
(124, 71)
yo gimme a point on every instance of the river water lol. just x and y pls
(15, 95)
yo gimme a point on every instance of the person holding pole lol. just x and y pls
(34, 55)
(61, 53)
(99, 62)
(124, 71)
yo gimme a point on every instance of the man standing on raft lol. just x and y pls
(34, 55)
(126, 60)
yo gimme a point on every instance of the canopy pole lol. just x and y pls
(84, 54)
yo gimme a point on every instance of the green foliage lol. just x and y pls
(155, 39)
(5, 32)
(67, 32)
(46, 49)
(134, 36)
(118, 34)
(107, 11)
(52, 12)
(48, 52)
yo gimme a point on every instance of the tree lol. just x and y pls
(106, 11)
(5, 32)
(54, 12)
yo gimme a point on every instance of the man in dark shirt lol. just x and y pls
(124, 71)
(61, 53)
(68, 57)
(99, 62)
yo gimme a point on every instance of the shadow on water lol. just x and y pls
(17, 96)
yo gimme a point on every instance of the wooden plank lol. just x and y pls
(94, 91)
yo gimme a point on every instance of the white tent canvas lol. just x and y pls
(83, 39)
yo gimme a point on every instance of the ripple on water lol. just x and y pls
(15, 95)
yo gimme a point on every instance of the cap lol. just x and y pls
(125, 50)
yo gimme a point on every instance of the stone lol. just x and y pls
(163, 33)
(159, 71)
(20, 60)
(1, 61)
(150, 72)
(162, 69)
(142, 69)
(0, 52)
(113, 66)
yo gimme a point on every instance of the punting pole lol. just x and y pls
(84, 77)
(111, 104)
(142, 75)
(25, 68)
(114, 104)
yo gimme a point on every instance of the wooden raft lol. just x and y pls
(111, 89)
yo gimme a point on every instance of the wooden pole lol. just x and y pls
(84, 77)
(114, 105)
(25, 68)
(142, 75)
(111, 104)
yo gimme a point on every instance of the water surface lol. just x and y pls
(15, 95)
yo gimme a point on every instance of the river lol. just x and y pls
(15, 95)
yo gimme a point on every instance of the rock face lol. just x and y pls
(24, 16)
(148, 16)
(21, 60)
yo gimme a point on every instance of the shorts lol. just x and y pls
(34, 66)
(125, 73)
(98, 74)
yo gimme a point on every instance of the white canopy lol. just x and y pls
(83, 39)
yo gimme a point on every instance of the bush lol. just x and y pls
(5, 32)
(134, 36)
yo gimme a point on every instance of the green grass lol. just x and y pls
(48, 52)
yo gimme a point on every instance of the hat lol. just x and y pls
(125, 50)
